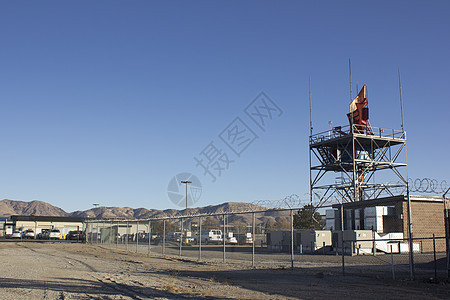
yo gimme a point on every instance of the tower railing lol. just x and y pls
(340, 131)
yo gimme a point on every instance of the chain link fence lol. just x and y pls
(268, 238)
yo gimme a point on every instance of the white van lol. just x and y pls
(209, 236)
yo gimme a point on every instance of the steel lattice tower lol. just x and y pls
(357, 162)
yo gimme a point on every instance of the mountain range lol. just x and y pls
(40, 208)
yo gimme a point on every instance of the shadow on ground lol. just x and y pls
(319, 283)
(92, 288)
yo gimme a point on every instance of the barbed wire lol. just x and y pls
(427, 185)
(291, 201)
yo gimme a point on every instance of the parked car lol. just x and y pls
(156, 238)
(244, 239)
(174, 236)
(43, 234)
(76, 235)
(142, 237)
(54, 234)
(28, 234)
(231, 240)
(126, 237)
(15, 235)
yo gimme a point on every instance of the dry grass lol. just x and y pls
(174, 288)
(206, 293)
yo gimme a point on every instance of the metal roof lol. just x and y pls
(388, 201)
(46, 218)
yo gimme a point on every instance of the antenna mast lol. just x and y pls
(310, 165)
(310, 109)
(350, 75)
(351, 98)
(401, 101)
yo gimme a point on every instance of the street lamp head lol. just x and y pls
(186, 182)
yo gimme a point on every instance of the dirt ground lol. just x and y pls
(33, 270)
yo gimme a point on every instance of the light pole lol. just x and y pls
(96, 232)
(181, 237)
(186, 182)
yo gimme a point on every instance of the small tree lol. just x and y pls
(282, 224)
(306, 219)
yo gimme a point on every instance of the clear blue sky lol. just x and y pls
(105, 101)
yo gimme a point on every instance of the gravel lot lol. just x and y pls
(35, 270)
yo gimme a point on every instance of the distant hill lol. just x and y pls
(37, 208)
(40, 208)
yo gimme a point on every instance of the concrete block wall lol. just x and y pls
(426, 218)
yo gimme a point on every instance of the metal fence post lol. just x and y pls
(111, 239)
(164, 238)
(447, 248)
(149, 235)
(102, 238)
(253, 239)
(292, 240)
(87, 232)
(434, 257)
(117, 235)
(181, 235)
(102, 233)
(224, 238)
(374, 250)
(127, 235)
(137, 236)
(410, 236)
(200, 239)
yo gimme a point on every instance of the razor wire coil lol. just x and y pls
(291, 201)
(427, 185)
